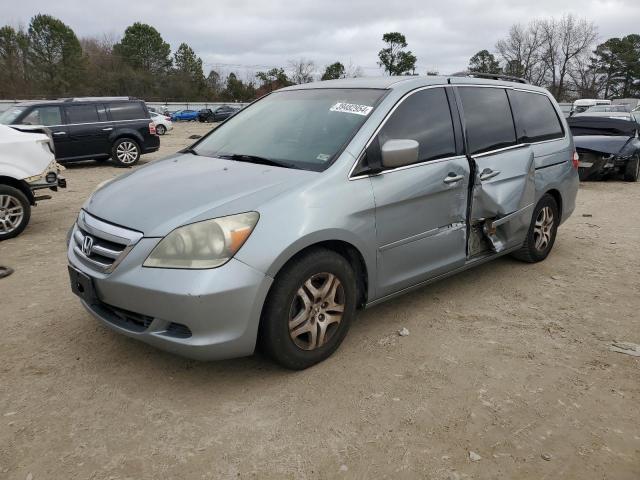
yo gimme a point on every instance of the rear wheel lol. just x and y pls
(632, 169)
(542, 231)
(125, 152)
(161, 129)
(309, 309)
(15, 211)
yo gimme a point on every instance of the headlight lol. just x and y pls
(207, 244)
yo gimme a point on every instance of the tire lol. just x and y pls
(542, 231)
(125, 152)
(290, 303)
(15, 212)
(161, 129)
(632, 169)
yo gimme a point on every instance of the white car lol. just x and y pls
(163, 124)
(27, 164)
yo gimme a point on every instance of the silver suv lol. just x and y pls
(318, 200)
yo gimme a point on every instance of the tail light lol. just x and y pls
(152, 128)
(575, 161)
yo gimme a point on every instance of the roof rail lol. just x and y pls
(490, 76)
(92, 99)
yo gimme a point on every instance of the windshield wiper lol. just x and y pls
(190, 150)
(254, 159)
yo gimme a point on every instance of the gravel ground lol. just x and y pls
(505, 373)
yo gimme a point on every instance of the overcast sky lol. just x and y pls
(255, 35)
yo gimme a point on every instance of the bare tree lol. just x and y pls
(353, 71)
(303, 70)
(521, 52)
(585, 79)
(565, 40)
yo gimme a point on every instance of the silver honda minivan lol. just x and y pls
(318, 200)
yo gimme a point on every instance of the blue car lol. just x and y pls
(184, 115)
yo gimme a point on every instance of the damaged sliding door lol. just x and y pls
(503, 184)
(503, 196)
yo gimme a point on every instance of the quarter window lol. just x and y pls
(43, 116)
(536, 119)
(127, 111)
(82, 114)
(488, 119)
(424, 117)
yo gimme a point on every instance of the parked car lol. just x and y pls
(317, 200)
(91, 128)
(583, 104)
(607, 146)
(607, 108)
(27, 165)
(218, 114)
(163, 123)
(184, 115)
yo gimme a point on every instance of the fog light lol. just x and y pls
(51, 177)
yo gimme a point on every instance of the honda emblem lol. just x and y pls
(87, 245)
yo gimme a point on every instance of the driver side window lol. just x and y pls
(424, 117)
(46, 116)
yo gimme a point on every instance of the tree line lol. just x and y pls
(47, 59)
(563, 56)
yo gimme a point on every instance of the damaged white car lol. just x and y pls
(27, 165)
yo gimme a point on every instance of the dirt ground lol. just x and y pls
(509, 361)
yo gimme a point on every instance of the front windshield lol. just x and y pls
(298, 128)
(8, 116)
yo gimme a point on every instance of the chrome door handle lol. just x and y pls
(453, 178)
(107, 129)
(59, 133)
(487, 173)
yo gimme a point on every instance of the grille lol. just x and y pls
(135, 322)
(101, 245)
(178, 330)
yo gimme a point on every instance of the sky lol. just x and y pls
(249, 35)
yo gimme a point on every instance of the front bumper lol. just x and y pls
(220, 308)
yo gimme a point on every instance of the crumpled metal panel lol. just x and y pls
(505, 202)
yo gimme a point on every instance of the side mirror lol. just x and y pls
(398, 153)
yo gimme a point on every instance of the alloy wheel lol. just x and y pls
(11, 213)
(127, 152)
(543, 228)
(316, 311)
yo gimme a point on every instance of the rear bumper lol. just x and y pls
(219, 309)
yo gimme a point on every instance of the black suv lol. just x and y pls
(218, 114)
(91, 128)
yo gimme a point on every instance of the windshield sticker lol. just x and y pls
(323, 157)
(351, 108)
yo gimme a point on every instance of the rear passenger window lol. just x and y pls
(127, 111)
(536, 119)
(488, 119)
(425, 118)
(82, 114)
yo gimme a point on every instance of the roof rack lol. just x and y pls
(92, 99)
(490, 76)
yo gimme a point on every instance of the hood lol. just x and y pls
(187, 188)
(610, 145)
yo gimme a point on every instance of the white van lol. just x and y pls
(583, 104)
(27, 164)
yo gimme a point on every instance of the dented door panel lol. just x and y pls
(420, 222)
(504, 195)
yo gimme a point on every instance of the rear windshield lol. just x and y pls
(127, 111)
(302, 128)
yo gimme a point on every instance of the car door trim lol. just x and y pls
(420, 236)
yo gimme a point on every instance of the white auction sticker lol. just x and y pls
(351, 108)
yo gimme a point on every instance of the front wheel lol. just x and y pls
(632, 169)
(125, 152)
(15, 211)
(542, 231)
(309, 309)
